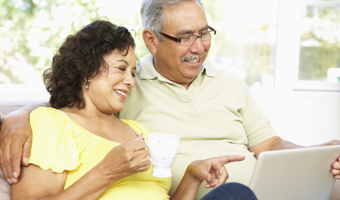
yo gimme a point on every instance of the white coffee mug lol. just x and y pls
(163, 150)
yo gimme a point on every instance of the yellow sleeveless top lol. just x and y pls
(60, 144)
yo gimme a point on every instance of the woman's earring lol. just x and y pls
(87, 85)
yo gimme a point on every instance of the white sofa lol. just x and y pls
(5, 189)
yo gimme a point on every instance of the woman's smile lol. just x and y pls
(121, 93)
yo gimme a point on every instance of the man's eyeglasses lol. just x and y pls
(190, 39)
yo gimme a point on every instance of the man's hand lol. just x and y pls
(336, 169)
(336, 164)
(276, 143)
(212, 170)
(15, 144)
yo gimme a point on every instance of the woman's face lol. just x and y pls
(107, 91)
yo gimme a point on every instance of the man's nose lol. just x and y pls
(197, 46)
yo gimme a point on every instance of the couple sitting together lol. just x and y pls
(83, 144)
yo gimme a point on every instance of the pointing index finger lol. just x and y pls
(230, 158)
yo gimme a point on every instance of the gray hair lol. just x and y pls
(152, 12)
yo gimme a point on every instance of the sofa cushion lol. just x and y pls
(336, 191)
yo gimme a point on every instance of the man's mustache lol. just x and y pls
(193, 56)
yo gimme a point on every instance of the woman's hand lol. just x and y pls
(212, 170)
(123, 160)
(126, 159)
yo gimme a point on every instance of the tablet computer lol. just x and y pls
(295, 174)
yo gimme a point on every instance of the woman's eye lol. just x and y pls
(133, 75)
(122, 68)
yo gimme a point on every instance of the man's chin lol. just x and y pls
(193, 74)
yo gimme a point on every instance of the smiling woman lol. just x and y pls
(90, 54)
(115, 80)
(79, 141)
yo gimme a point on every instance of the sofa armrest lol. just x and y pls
(5, 188)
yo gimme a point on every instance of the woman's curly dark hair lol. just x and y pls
(80, 58)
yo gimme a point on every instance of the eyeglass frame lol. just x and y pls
(179, 39)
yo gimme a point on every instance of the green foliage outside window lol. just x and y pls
(31, 31)
(320, 42)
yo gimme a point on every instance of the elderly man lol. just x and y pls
(177, 92)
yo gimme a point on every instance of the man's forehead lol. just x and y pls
(185, 18)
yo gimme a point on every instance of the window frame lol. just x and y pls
(288, 48)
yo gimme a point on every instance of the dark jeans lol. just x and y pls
(231, 191)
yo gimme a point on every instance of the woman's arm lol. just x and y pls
(15, 141)
(36, 183)
(123, 160)
(211, 170)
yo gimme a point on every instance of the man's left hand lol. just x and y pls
(336, 169)
(336, 164)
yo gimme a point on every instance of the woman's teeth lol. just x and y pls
(120, 92)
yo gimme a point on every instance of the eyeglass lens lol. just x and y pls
(191, 39)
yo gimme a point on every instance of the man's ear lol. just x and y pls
(150, 40)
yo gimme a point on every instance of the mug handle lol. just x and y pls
(151, 161)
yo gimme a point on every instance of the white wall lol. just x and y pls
(23, 92)
(304, 118)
